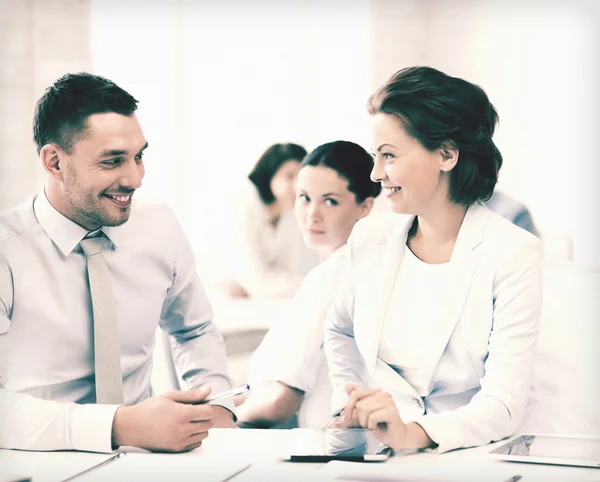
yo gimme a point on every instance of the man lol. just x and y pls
(86, 276)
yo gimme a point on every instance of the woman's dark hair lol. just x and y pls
(351, 162)
(446, 112)
(268, 165)
(61, 113)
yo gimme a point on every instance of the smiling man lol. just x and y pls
(87, 274)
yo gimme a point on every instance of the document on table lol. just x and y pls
(47, 466)
(359, 472)
(160, 467)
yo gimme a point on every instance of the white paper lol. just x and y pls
(167, 467)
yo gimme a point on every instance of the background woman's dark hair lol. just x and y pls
(351, 162)
(61, 113)
(269, 163)
(446, 112)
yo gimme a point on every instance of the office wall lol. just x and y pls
(538, 62)
(218, 82)
(40, 40)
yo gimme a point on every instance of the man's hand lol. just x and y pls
(223, 418)
(166, 423)
(377, 411)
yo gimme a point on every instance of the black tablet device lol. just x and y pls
(355, 445)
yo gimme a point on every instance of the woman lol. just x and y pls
(289, 371)
(272, 258)
(432, 343)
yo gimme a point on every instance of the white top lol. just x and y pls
(412, 314)
(46, 323)
(272, 260)
(292, 351)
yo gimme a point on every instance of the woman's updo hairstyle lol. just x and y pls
(444, 112)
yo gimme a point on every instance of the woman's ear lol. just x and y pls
(366, 207)
(449, 154)
(53, 158)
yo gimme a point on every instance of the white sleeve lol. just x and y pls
(29, 423)
(292, 350)
(198, 348)
(346, 364)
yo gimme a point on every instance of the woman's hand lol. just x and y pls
(233, 289)
(376, 410)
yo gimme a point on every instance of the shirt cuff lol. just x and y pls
(91, 427)
(443, 429)
(228, 405)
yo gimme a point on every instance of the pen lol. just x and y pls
(227, 393)
(514, 478)
(97, 466)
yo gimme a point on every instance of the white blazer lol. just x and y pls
(480, 359)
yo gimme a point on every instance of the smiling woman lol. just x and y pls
(432, 342)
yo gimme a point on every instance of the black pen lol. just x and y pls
(514, 478)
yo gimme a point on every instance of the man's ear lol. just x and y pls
(449, 153)
(53, 158)
(366, 207)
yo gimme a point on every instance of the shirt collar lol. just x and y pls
(65, 233)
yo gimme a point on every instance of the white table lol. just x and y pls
(235, 315)
(264, 449)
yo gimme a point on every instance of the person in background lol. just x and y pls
(272, 259)
(433, 341)
(86, 277)
(511, 209)
(289, 372)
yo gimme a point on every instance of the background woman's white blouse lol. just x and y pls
(272, 260)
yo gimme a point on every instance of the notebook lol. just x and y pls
(160, 467)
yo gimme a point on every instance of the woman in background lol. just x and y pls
(288, 370)
(272, 259)
(433, 342)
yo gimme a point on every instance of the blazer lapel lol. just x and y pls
(463, 263)
(369, 322)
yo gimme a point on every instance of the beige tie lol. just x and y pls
(107, 354)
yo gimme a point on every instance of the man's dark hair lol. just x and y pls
(268, 165)
(441, 111)
(62, 112)
(351, 162)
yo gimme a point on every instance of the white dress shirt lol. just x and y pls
(46, 322)
(414, 312)
(292, 351)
